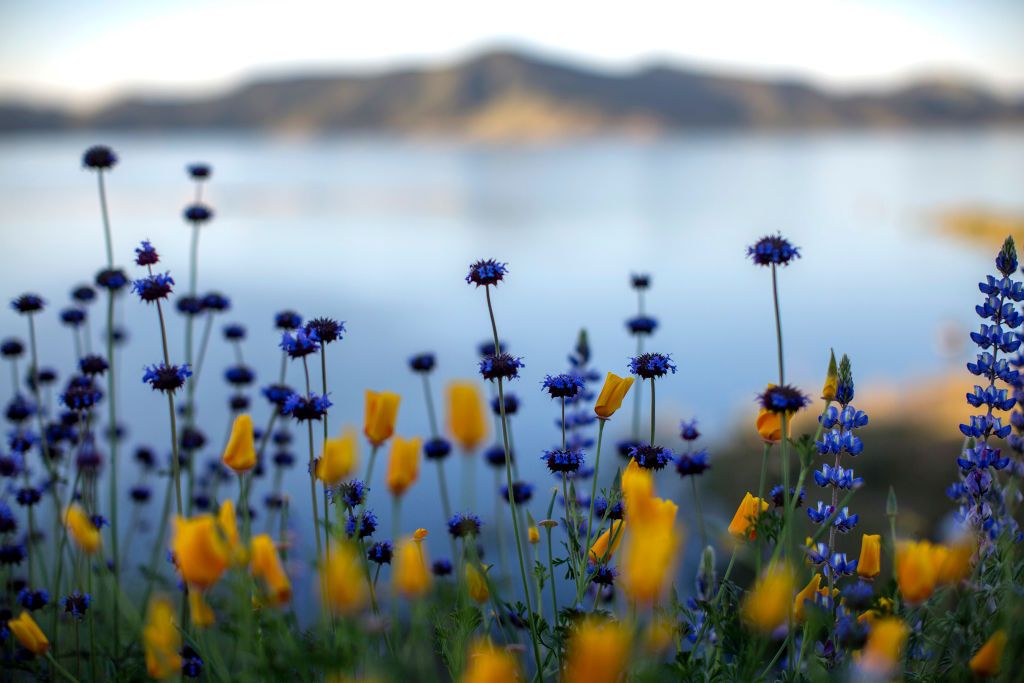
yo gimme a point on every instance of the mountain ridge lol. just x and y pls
(508, 94)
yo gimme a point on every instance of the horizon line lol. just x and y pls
(711, 68)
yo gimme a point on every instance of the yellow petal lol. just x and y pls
(869, 564)
(339, 458)
(467, 414)
(240, 453)
(381, 415)
(612, 393)
(403, 464)
(28, 634)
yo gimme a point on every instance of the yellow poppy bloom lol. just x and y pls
(533, 535)
(82, 529)
(869, 564)
(658, 635)
(488, 664)
(199, 551)
(476, 584)
(745, 519)
(805, 595)
(600, 546)
(411, 577)
(648, 559)
(917, 570)
(769, 426)
(162, 640)
(381, 415)
(597, 652)
(28, 634)
(339, 459)
(610, 399)
(227, 519)
(403, 464)
(266, 565)
(637, 484)
(467, 414)
(986, 660)
(955, 564)
(828, 391)
(342, 582)
(240, 453)
(768, 605)
(202, 614)
(881, 654)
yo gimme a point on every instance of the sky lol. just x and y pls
(83, 53)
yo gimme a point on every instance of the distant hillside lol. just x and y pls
(502, 95)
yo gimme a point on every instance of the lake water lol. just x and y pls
(378, 233)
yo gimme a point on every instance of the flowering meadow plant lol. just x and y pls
(588, 581)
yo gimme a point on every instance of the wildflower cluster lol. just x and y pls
(980, 494)
(589, 590)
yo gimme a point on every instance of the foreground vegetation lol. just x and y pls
(587, 583)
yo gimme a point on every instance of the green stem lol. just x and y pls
(778, 327)
(554, 594)
(203, 343)
(93, 652)
(714, 603)
(431, 414)
(312, 492)
(511, 498)
(47, 461)
(243, 503)
(312, 472)
(760, 495)
(652, 412)
(60, 669)
(154, 558)
(593, 489)
(106, 218)
(445, 503)
(190, 389)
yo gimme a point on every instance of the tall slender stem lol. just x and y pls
(175, 465)
(760, 495)
(47, 459)
(323, 383)
(190, 389)
(637, 390)
(203, 344)
(784, 439)
(243, 504)
(158, 545)
(312, 470)
(511, 498)
(428, 397)
(112, 406)
(652, 412)
(593, 487)
(563, 423)
(554, 595)
(778, 325)
(106, 218)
